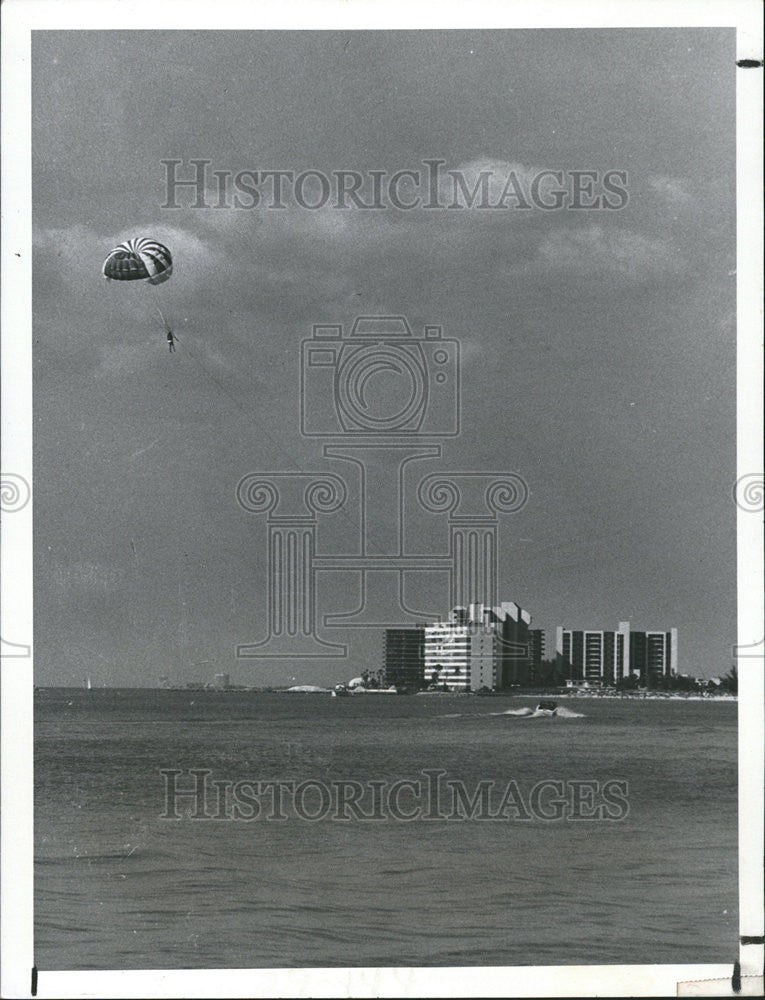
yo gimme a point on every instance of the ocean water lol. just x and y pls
(119, 886)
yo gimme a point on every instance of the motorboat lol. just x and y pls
(547, 708)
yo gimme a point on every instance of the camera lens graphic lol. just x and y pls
(381, 388)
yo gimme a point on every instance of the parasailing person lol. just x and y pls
(142, 259)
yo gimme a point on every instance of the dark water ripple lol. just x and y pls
(117, 886)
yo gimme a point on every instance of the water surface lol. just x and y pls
(118, 886)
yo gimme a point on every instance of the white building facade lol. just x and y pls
(606, 657)
(478, 647)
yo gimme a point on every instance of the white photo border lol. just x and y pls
(19, 19)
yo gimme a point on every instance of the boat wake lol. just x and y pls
(537, 713)
(522, 713)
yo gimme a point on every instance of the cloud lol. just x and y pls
(325, 255)
(609, 252)
(673, 190)
(79, 251)
(64, 242)
(242, 273)
(112, 326)
(86, 576)
(122, 358)
(491, 182)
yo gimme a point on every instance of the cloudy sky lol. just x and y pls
(598, 346)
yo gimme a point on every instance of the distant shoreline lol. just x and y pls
(572, 696)
(649, 696)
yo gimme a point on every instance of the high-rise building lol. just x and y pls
(479, 647)
(592, 655)
(652, 654)
(404, 655)
(516, 645)
(536, 652)
(447, 651)
(601, 656)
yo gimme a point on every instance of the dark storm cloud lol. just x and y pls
(598, 353)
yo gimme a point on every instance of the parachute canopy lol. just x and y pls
(138, 260)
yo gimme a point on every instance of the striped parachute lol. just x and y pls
(139, 260)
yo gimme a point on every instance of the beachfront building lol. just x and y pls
(592, 656)
(536, 652)
(479, 647)
(652, 654)
(447, 652)
(517, 646)
(404, 657)
(602, 657)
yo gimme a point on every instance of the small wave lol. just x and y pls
(467, 715)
